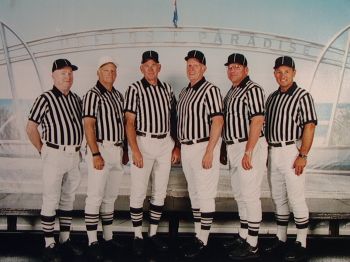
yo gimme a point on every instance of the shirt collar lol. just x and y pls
(145, 83)
(243, 83)
(197, 85)
(102, 88)
(57, 92)
(290, 90)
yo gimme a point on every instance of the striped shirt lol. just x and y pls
(59, 116)
(151, 105)
(196, 106)
(241, 104)
(107, 108)
(287, 113)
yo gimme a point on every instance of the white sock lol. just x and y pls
(301, 236)
(252, 240)
(64, 236)
(107, 232)
(49, 241)
(282, 233)
(204, 235)
(243, 232)
(138, 232)
(197, 228)
(153, 229)
(92, 236)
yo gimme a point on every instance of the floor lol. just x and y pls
(27, 247)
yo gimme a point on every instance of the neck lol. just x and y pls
(108, 86)
(285, 88)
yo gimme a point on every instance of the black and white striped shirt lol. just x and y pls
(196, 106)
(107, 108)
(241, 104)
(59, 116)
(151, 104)
(287, 113)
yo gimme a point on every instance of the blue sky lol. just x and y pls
(312, 20)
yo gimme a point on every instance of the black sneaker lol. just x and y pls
(112, 247)
(277, 248)
(94, 252)
(193, 248)
(51, 253)
(296, 253)
(138, 247)
(245, 252)
(69, 250)
(157, 244)
(234, 243)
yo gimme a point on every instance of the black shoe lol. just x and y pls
(138, 247)
(234, 243)
(193, 248)
(94, 252)
(68, 250)
(157, 244)
(51, 253)
(296, 253)
(245, 252)
(277, 248)
(113, 247)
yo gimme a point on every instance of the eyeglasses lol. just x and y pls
(235, 67)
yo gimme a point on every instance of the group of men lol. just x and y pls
(200, 128)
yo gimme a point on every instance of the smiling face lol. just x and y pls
(63, 79)
(195, 70)
(150, 70)
(107, 74)
(236, 73)
(284, 76)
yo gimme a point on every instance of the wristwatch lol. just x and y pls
(302, 156)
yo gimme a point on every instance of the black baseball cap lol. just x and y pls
(284, 61)
(60, 63)
(196, 54)
(150, 55)
(236, 58)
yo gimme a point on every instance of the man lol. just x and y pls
(200, 123)
(58, 111)
(289, 130)
(149, 104)
(247, 153)
(104, 131)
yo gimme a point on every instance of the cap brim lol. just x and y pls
(74, 68)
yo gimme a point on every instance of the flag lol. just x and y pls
(175, 17)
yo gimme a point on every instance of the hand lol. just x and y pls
(175, 155)
(137, 159)
(299, 165)
(207, 161)
(98, 162)
(125, 158)
(247, 161)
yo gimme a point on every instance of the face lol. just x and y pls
(107, 74)
(195, 70)
(150, 70)
(63, 78)
(236, 73)
(284, 76)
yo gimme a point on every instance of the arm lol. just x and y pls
(215, 133)
(34, 135)
(131, 135)
(176, 153)
(306, 143)
(89, 127)
(254, 133)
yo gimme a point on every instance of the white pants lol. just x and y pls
(202, 183)
(246, 184)
(287, 189)
(103, 184)
(61, 178)
(156, 155)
